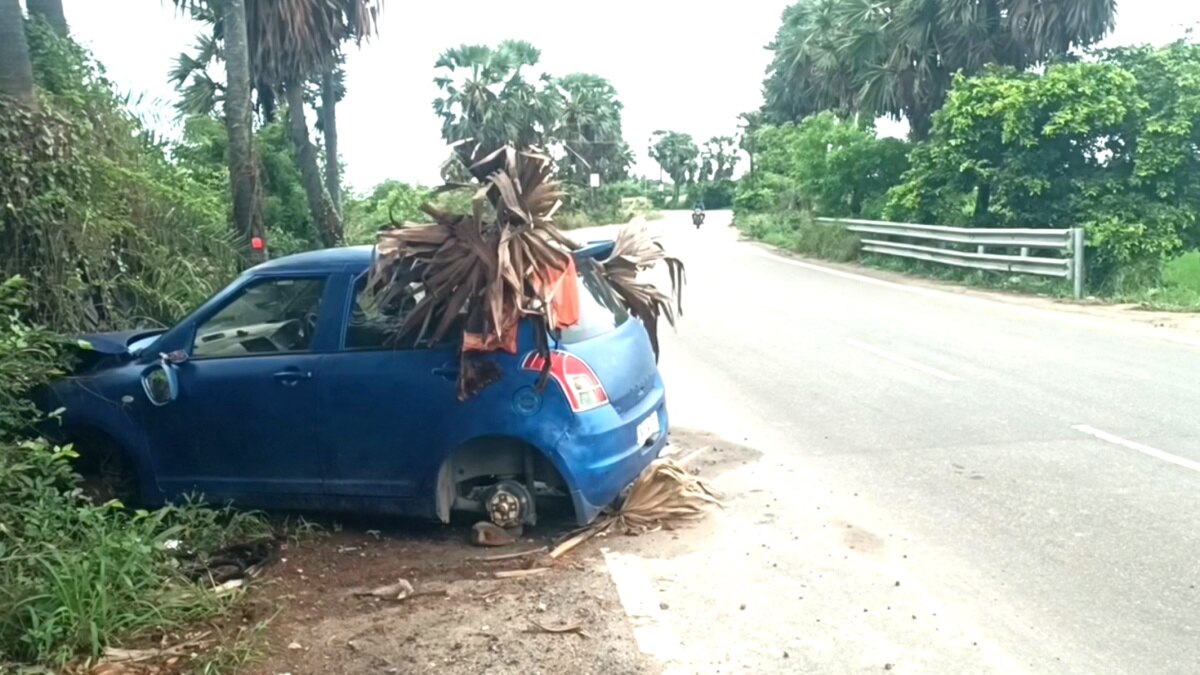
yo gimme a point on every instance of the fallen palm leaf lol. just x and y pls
(663, 495)
(636, 251)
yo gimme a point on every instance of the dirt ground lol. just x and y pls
(460, 620)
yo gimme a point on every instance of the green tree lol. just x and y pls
(718, 158)
(389, 203)
(676, 153)
(289, 45)
(489, 100)
(749, 123)
(16, 70)
(898, 57)
(1107, 145)
(829, 166)
(51, 11)
(589, 127)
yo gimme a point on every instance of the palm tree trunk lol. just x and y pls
(52, 12)
(243, 172)
(324, 217)
(333, 178)
(16, 70)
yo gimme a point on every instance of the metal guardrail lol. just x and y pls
(935, 243)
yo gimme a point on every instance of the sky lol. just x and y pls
(675, 66)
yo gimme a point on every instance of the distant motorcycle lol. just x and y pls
(697, 218)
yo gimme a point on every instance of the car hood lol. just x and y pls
(116, 343)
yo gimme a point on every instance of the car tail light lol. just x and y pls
(578, 381)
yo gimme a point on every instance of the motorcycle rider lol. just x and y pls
(698, 213)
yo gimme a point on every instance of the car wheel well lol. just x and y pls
(489, 460)
(106, 466)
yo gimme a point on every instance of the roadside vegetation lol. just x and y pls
(1102, 139)
(106, 226)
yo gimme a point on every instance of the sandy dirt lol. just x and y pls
(461, 620)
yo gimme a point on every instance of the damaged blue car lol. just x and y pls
(285, 391)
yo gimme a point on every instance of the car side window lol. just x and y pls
(273, 316)
(372, 326)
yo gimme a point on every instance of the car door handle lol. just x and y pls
(289, 378)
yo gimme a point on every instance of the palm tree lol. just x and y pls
(898, 57)
(750, 123)
(52, 12)
(333, 88)
(589, 127)
(289, 45)
(487, 102)
(201, 95)
(16, 70)
(243, 169)
(676, 153)
(295, 42)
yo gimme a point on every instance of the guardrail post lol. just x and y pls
(1077, 262)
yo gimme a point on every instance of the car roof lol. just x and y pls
(357, 258)
(321, 260)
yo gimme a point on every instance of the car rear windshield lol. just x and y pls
(599, 309)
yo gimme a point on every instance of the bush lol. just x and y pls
(1107, 144)
(612, 204)
(394, 201)
(714, 194)
(798, 232)
(111, 230)
(75, 576)
(836, 167)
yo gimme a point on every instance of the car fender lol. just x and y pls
(88, 414)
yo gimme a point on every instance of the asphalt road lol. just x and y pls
(946, 483)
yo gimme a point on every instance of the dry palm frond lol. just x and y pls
(664, 494)
(479, 273)
(635, 251)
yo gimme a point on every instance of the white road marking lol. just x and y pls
(904, 361)
(1134, 445)
(1060, 315)
(654, 637)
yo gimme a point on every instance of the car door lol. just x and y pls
(390, 403)
(247, 422)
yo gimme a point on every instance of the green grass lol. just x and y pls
(797, 232)
(76, 578)
(1179, 289)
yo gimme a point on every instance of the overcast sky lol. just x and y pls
(675, 65)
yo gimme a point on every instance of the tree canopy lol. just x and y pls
(898, 57)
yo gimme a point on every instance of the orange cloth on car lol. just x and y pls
(565, 301)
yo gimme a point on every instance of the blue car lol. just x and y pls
(286, 390)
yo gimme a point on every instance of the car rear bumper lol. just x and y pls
(604, 455)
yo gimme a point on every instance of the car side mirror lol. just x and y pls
(161, 383)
